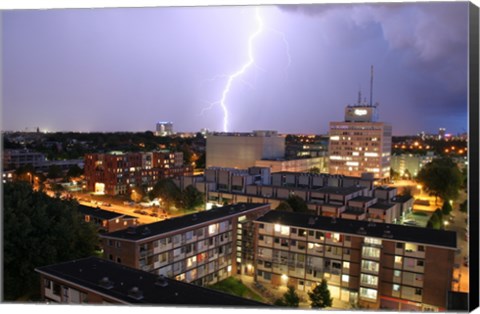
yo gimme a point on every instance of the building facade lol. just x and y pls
(118, 173)
(105, 220)
(241, 150)
(360, 143)
(374, 265)
(200, 248)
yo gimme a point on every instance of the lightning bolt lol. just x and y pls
(251, 61)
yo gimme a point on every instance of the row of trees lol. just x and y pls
(319, 297)
(190, 198)
(39, 230)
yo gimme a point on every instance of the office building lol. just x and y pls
(241, 150)
(200, 248)
(97, 281)
(163, 128)
(374, 265)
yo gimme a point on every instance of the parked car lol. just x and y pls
(142, 212)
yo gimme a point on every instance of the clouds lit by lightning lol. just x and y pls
(236, 76)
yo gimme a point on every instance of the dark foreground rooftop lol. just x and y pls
(135, 287)
(403, 233)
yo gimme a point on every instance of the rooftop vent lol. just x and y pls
(361, 230)
(146, 231)
(105, 283)
(161, 281)
(135, 293)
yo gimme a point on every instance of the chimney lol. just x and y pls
(161, 281)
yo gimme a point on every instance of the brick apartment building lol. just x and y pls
(200, 248)
(118, 173)
(97, 281)
(373, 264)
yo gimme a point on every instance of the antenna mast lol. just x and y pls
(371, 85)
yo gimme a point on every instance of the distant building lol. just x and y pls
(441, 133)
(242, 150)
(360, 143)
(294, 165)
(93, 280)
(164, 129)
(410, 164)
(200, 248)
(118, 173)
(16, 158)
(105, 220)
(374, 265)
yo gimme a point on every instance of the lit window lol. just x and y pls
(371, 252)
(366, 293)
(369, 280)
(373, 241)
(398, 259)
(285, 230)
(396, 288)
(212, 229)
(370, 266)
(346, 265)
(345, 278)
(397, 273)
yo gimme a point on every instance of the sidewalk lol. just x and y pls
(271, 293)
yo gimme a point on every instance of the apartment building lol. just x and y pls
(375, 265)
(360, 143)
(105, 220)
(117, 173)
(16, 158)
(97, 281)
(200, 248)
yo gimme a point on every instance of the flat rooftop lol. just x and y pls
(339, 190)
(401, 198)
(100, 213)
(447, 239)
(383, 206)
(89, 272)
(177, 223)
(362, 199)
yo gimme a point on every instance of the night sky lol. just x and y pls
(125, 69)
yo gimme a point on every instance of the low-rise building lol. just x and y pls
(105, 220)
(374, 265)
(200, 248)
(97, 281)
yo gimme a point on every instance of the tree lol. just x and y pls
(297, 204)
(464, 206)
(320, 296)
(192, 198)
(436, 220)
(74, 172)
(284, 206)
(441, 178)
(167, 191)
(446, 208)
(289, 299)
(39, 230)
(54, 172)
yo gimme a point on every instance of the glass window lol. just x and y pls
(420, 263)
(399, 245)
(409, 247)
(372, 252)
(398, 259)
(369, 279)
(212, 229)
(370, 266)
(285, 230)
(345, 278)
(397, 273)
(346, 265)
(396, 288)
(367, 293)
(373, 241)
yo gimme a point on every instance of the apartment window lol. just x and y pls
(311, 233)
(346, 265)
(397, 273)
(348, 238)
(118, 244)
(367, 293)
(276, 240)
(189, 235)
(336, 237)
(47, 283)
(370, 266)
(371, 252)
(212, 229)
(373, 241)
(345, 278)
(319, 235)
(396, 288)
(284, 242)
(421, 248)
(301, 245)
(420, 263)
(56, 289)
(65, 292)
(302, 232)
(399, 245)
(260, 237)
(369, 279)
(285, 230)
(261, 226)
(418, 291)
(294, 230)
(277, 228)
(398, 259)
(409, 247)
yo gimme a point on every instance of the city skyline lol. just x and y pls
(125, 69)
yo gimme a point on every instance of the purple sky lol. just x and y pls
(126, 69)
